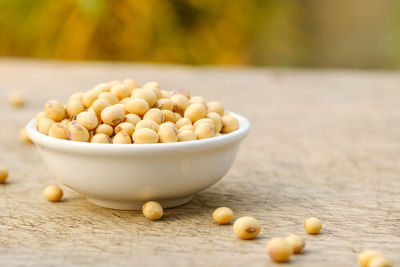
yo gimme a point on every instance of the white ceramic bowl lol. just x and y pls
(126, 176)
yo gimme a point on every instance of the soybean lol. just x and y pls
(112, 99)
(204, 130)
(230, 124)
(195, 111)
(279, 249)
(105, 129)
(186, 136)
(296, 242)
(145, 94)
(16, 99)
(152, 210)
(167, 133)
(145, 136)
(132, 118)
(215, 107)
(45, 125)
(150, 124)
(58, 130)
(53, 193)
(23, 136)
(78, 133)
(223, 215)
(312, 225)
(120, 91)
(3, 174)
(87, 119)
(54, 110)
(137, 106)
(155, 115)
(246, 227)
(122, 138)
(101, 138)
(180, 103)
(126, 127)
(74, 107)
(113, 115)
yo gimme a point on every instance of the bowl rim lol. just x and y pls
(74, 146)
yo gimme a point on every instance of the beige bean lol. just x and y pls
(296, 242)
(187, 127)
(247, 228)
(279, 250)
(53, 193)
(216, 119)
(149, 124)
(58, 130)
(222, 215)
(186, 136)
(16, 99)
(131, 84)
(204, 120)
(181, 92)
(312, 225)
(102, 87)
(204, 130)
(169, 115)
(197, 99)
(78, 133)
(23, 136)
(74, 107)
(132, 118)
(105, 129)
(87, 119)
(195, 111)
(152, 210)
(137, 106)
(125, 100)
(183, 121)
(120, 91)
(76, 96)
(167, 133)
(151, 84)
(180, 103)
(122, 138)
(54, 110)
(112, 99)
(101, 139)
(3, 174)
(215, 107)
(164, 103)
(145, 136)
(89, 97)
(178, 116)
(155, 115)
(45, 125)
(145, 94)
(113, 115)
(41, 115)
(99, 105)
(126, 127)
(230, 124)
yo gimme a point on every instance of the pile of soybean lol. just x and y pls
(125, 113)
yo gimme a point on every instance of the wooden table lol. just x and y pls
(323, 143)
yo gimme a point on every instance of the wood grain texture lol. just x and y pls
(323, 143)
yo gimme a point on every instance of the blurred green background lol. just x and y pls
(293, 33)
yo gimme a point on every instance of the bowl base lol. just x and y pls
(137, 205)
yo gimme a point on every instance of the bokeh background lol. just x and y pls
(288, 33)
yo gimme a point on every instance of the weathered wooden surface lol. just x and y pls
(323, 143)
